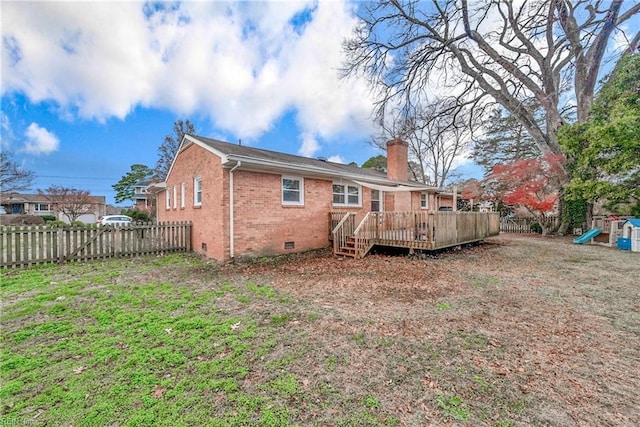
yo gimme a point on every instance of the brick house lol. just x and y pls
(244, 201)
(37, 204)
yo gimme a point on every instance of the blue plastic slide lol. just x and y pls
(587, 236)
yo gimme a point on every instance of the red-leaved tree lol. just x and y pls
(531, 184)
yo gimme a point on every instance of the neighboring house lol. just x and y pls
(141, 198)
(245, 201)
(36, 204)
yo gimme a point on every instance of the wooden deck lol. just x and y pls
(426, 231)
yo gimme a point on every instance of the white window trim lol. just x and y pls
(183, 190)
(426, 195)
(287, 202)
(346, 194)
(380, 200)
(175, 197)
(197, 180)
(167, 194)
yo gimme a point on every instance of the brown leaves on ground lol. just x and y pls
(537, 329)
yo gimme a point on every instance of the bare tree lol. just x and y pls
(438, 134)
(70, 202)
(491, 51)
(13, 178)
(169, 148)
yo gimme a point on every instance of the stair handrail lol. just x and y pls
(341, 223)
(361, 243)
(339, 237)
(356, 232)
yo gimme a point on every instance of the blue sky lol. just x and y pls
(88, 89)
(91, 88)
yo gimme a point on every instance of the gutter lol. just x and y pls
(231, 230)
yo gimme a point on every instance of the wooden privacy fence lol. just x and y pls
(28, 245)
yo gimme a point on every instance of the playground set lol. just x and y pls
(613, 231)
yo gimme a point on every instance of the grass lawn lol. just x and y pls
(519, 331)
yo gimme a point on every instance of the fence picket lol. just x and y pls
(24, 245)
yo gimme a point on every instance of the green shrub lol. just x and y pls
(56, 224)
(48, 218)
(23, 219)
(138, 215)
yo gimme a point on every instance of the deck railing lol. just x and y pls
(424, 230)
(28, 245)
(343, 230)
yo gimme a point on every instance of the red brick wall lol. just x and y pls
(209, 220)
(262, 224)
(397, 160)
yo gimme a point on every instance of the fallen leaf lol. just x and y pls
(235, 326)
(79, 370)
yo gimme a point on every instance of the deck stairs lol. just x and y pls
(348, 248)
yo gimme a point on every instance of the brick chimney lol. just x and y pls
(398, 160)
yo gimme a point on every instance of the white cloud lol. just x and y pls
(336, 159)
(243, 64)
(40, 140)
(7, 134)
(309, 146)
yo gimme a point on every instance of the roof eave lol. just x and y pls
(276, 167)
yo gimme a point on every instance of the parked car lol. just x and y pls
(114, 220)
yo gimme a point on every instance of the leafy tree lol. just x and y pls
(71, 202)
(505, 140)
(606, 149)
(13, 177)
(169, 148)
(378, 163)
(488, 52)
(125, 188)
(532, 184)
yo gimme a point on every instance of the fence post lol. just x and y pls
(60, 233)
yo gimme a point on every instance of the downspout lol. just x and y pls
(231, 231)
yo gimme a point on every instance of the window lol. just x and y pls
(197, 191)
(375, 200)
(42, 207)
(175, 196)
(167, 195)
(424, 200)
(292, 191)
(183, 191)
(346, 195)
